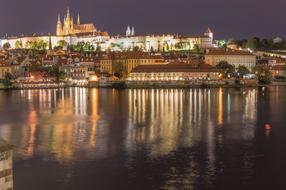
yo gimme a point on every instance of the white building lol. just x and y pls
(233, 57)
(122, 43)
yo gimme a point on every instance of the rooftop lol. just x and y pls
(228, 52)
(134, 55)
(174, 67)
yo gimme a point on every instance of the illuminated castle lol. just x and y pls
(68, 27)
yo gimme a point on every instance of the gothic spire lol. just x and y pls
(128, 31)
(133, 31)
(68, 13)
(59, 19)
(78, 19)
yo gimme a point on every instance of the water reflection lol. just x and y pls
(60, 121)
(80, 125)
(166, 119)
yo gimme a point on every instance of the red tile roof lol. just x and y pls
(4, 64)
(227, 52)
(174, 68)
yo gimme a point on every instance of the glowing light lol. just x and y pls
(93, 78)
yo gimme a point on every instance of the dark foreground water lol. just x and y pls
(104, 139)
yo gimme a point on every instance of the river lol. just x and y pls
(105, 139)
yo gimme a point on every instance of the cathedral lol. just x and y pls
(69, 27)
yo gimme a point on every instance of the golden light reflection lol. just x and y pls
(68, 122)
(62, 145)
(164, 117)
(220, 107)
(95, 116)
(250, 105)
(32, 132)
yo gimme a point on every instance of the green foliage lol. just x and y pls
(62, 44)
(263, 74)
(258, 44)
(242, 70)
(6, 46)
(136, 48)
(226, 69)
(50, 43)
(37, 44)
(82, 46)
(55, 71)
(18, 44)
(222, 44)
(182, 46)
(197, 48)
(118, 70)
(8, 80)
(98, 49)
(166, 46)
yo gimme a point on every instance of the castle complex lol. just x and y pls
(70, 28)
(73, 32)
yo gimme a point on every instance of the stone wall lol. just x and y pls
(6, 166)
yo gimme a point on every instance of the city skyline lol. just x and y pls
(226, 18)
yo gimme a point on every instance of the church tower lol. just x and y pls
(133, 31)
(68, 23)
(210, 34)
(59, 27)
(70, 26)
(128, 31)
(78, 19)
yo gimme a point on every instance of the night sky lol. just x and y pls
(227, 18)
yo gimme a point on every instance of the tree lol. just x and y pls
(136, 48)
(119, 70)
(87, 46)
(197, 48)
(6, 46)
(253, 43)
(226, 69)
(263, 74)
(18, 44)
(63, 44)
(98, 48)
(37, 44)
(242, 70)
(55, 71)
(8, 80)
(50, 43)
(182, 45)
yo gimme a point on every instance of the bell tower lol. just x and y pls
(128, 31)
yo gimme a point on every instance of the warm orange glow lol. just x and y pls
(93, 78)
(220, 108)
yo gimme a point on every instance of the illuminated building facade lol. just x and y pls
(233, 57)
(73, 32)
(169, 42)
(70, 28)
(174, 72)
(4, 69)
(123, 62)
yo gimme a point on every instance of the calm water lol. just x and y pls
(87, 139)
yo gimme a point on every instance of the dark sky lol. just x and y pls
(227, 18)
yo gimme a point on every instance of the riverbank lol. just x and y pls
(141, 85)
